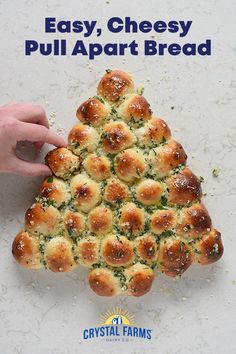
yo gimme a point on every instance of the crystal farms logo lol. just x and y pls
(117, 325)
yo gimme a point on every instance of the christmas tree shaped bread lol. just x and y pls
(121, 201)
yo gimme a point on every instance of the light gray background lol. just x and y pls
(42, 312)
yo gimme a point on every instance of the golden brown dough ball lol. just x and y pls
(130, 165)
(116, 137)
(85, 191)
(42, 220)
(117, 251)
(163, 220)
(135, 107)
(103, 282)
(149, 192)
(114, 85)
(87, 251)
(155, 131)
(55, 190)
(98, 167)
(184, 188)
(82, 137)
(58, 255)
(194, 221)
(146, 247)
(131, 219)
(62, 162)
(166, 157)
(25, 250)
(210, 248)
(74, 223)
(175, 256)
(140, 278)
(100, 220)
(93, 111)
(115, 191)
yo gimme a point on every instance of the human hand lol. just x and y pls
(19, 122)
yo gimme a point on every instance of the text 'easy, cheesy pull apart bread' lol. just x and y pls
(121, 200)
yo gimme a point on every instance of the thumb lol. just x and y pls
(26, 168)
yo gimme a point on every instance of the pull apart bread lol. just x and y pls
(121, 200)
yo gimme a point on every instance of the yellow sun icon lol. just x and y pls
(117, 317)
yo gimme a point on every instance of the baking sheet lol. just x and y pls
(45, 312)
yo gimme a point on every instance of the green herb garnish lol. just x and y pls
(50, 179)
(181, 246)
(99, 99)
(167, 233)
(113, 110)
(163, 200)
(201, 179)
(163, 140)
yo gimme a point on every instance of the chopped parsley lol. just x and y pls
(163, 140)
(161, 207)
(45, 202)
(113, 110)
(119, 274)
(50, 179)
(201, 179)
(167, 233)
(103, 184)
(140, 90)
(215, 172)
(99, 99)
(163, 200)
(190, 241)
(105, 136)
(62, 206)
(178, 169)
(118, 238)
(41, 248)
(149, 208)
(187, 252)
(181, 246)
(215, 250)
(75, 144)
(146, 225)
(76, 258)
(96, 265)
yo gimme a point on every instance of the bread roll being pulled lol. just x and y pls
(121, 200)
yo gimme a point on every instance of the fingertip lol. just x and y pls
(64, 143)
(59, 141)
(46, 171)
(38, 145)
(26, 168)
